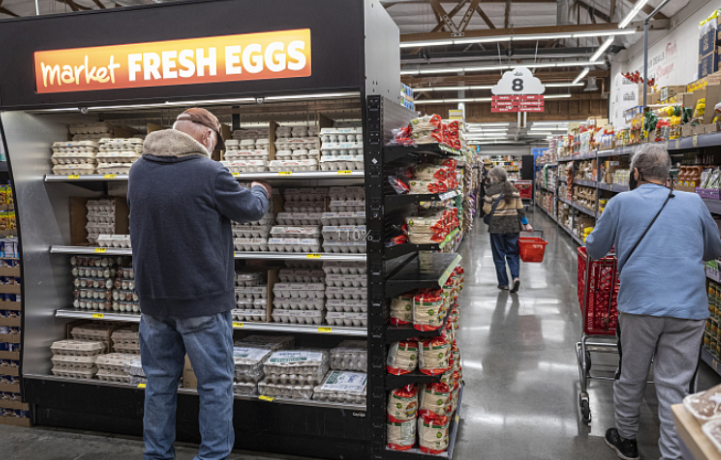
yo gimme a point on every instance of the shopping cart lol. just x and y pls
(598, 295)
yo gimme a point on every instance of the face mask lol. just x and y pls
(632, 182)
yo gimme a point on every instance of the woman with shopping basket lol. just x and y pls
(661, 238)
(504, 216)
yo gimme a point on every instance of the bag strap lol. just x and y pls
(670, 195)
(495, 205)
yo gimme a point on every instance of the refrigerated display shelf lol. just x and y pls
(393, 202)
(427, 270)
(397, 152)
(398, 381)
(287, 175)
(83, 250)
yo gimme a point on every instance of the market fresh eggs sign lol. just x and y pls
(227, 58)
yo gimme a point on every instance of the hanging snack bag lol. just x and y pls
(435, 400)
(402, 309)
(426, 123)
(433, 434)
(403, 404)
(402, 358)
(434, 357)
(428, 310)
(401, 435)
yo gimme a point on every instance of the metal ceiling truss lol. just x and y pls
(447, 18)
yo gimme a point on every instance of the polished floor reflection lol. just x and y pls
(519, 361)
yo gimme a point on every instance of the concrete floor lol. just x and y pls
(519, 361)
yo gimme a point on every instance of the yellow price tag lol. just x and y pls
(325, 329)
(235, 254)
(110, 176)
(141, 385)
(236, 174)
(345, 173)
(694, 140)
(101, 250)
(236, 324)
(98, 315)
(285, 173)
(265, 398)
(74, 176)
(312, 256)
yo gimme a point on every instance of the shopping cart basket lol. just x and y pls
(532, 248)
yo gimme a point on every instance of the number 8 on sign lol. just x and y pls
(517, 84)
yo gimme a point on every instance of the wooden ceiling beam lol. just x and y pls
(570, 28)
(485, 18)
(100, 4)
(648, 9)
(507, 14)
(425, 2)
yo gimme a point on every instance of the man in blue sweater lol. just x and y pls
(662, 300)
(181, 204)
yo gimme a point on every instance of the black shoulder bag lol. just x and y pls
(670, 195)
(487, 217)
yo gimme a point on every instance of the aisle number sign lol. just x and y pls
(518, 91)
(227, 58)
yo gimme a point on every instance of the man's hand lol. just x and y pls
(265, 185)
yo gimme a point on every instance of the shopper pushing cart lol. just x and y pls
(661, 237)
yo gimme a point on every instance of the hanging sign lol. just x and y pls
(518, 91)
(260, 56)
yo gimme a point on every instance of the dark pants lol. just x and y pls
(505, 249)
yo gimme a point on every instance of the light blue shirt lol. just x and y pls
(665, 275)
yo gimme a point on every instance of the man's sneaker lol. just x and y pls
(625, 448)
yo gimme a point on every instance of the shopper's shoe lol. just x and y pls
(503, 288)
(516, 285)
(625, 448)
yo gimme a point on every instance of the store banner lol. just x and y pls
(229, 58)
(518, 91)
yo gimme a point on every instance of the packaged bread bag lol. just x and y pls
(402, 357)
(428, 310)
(434, 356)
(433, 434)
(402, 310)
(435, 399)
(403, 404)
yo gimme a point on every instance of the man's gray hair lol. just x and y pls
(498, 174)
(652, 161)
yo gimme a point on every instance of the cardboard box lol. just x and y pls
(707, 40)
(670, 91)
(686, 130)
(10, 305)
(713, 97)
(17, 405)
(79, 219)
(9, 370)
(708, 64)
(9, 338)
(15, 421)
(189, 379)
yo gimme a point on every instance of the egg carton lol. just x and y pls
(305, 154)
(304, 264)
(255, 292)
(113, 377)
(95, 283)
(289, 303)
(93, 294)
(301, 276)
(297, 316)
(118, 157)
(286, 391)
(335, 318)
(251, 304)
(127, 348)
(313, 194)
(245, 388)
(299, 218)
(248, 279)
(101, 217)
(78, 347)
(232, 144)
(247, 143)
(94, 272)
(342, 386)
(339, 144)
(247, 155)
(248, 362)
(89, 137)
(344, 232)
(114, 241)
(250, 244)
(299, 290)
(128, 334)
(293, 379)
(262, 143)
(335, 397)
(347, 306)
(346, 280)
(246, 166)
(94, 206)
(124, 284)
(344, 268)
(91, 128)
(271, 342)
(73, 373)
(347, 206)
(94, 261)
(79, 169)
(346, 193)
(344, 247)
(332, 292)
(75, 146)
(126, 306)
(134, 368)
(126, 272)
(118, 143)
(293, 165)
(100, 227)
(350, 355)
(266, 220)
(63, 158)
(301, 362)
(297, 143)
(249, 315)
(344, 218)
(119, 294)
(95, 305)
(91, 331)
(282, 231)
(114, 363)
(341, 163)
(80, 363)
(304, 207)
(311, 245)
(114, 168)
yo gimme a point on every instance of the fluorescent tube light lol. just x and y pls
(427, 43)
(517, 38)
(632, 14)
(540, 134)
(561, 85)
(464, 41)
(581, 75)
(556, 96)
(310, 96)
(599, 52)
(604, 33)
(424, 71)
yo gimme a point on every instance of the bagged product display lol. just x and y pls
(435, 399)
(342, 387)
(401, 435)
(402, 357)
(428, 310)
(433, 434)
(350, 355)
(401, 310)
(403, 404)
(434, 356)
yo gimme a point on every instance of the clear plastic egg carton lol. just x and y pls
(344, 232)
(94, 272)
(124, 305)
(297, 316)
(335, 318)
(92, 332)
(74, 373)
(79, 363)
(106, 376)
(117, 157)
(345, 247)
(251, 244)
(343, 218)
(94, 305)
(350, 355)
(119, 144)
(299, 367)
(338, 267)
(127, 334)
(78, 347)
(124, 284)
(79, 169)
(93, 294)
(245, 388)
(339, 293)
(248, 279)
(251, 293)
(347, 206)
(299, 290)
(299, 218)
(248, 363)
(91, 128)
(293, 165)
(249, 315)
(95, 283)
(126, 273)
(347, 306)
(67, 158)
(134, 367)
(341, 163)
(245, 231)
(346, 280)
(75, 147)
(113, 241)
(311, 245)
(342, 148)
(114, 363)
(282, 231)
(290, 303)
(337, 397)
(114, 168)
(342, 387)
(127, 348)
(286, 391)
(291, 275)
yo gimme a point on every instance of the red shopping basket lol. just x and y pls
(598, 293)
(532, 248)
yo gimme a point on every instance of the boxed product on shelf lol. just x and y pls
(249, 363)
(350, 355)
(342, 387)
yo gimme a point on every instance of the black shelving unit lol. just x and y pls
(398, 381)
(425, 270)
(395, 202)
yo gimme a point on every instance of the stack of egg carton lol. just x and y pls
(247, 151)
(344, 228)
(76, 358)
(124, 296)
(253, 236)
(300, 231)
(299, 302)
(248, 368)
(341, 149)
(101, 219)
(350, 355)
(93, 282)
(115, 156)
(271, 342)
(296, 149)
(294, 239)
(346, 293)
(305, 199)
(342, 387)
(91, 131)
(113, 241)
(293, 374)
(252, 307)
(134, 369)
(112, 367)
(126, 340)
(74, 157)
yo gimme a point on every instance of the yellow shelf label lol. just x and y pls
(694, 140)
(285, 173)
(141, 385)
(74, 176)
(98, 315)
(101, 250)
(110, 176)
(677, 143)
(236, 324)
(235, 174)
(345, 173)
(312, 256)
(265, 398)
(325, 329)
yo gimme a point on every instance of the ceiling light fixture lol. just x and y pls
(602, 48)
(632, 14)
(424, 71)
(583, 73)
(556, 96)
(520, 37)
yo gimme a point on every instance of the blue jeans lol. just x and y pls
(505, 249)
(208, 341)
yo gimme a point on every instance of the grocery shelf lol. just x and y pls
(393, 202)
(87, 178)
(545, 188)
(88, 250)
(713, 206)
(579, 207)
(398, 381)
(613, 187)
(83, 250)
(571, 234)
(427, 270)
(265, 176)
(407, 248)
(401, 333)
(551, 216)
(711, 360)
(249, 326)
(397, 152)
(713, 274)
(587, 183)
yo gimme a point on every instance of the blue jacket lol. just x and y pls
(181, 204)
(665, 275)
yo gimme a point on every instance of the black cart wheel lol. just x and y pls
(585, 412)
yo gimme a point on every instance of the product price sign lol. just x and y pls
(98, 316)
(265, 398)
(101, 250)
(325, 329)
(237, 325)
(74, 176)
